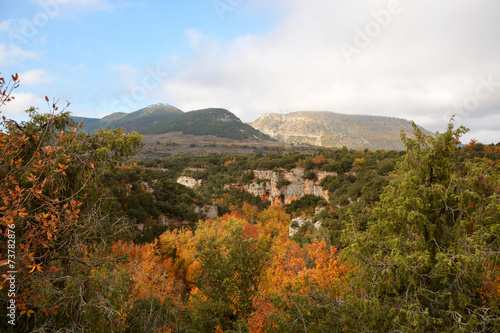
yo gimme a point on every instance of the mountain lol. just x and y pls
(142, 119)
(135, 121)
(211, 121)
(164, 118)
(324, 128)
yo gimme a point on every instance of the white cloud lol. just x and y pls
(427, 58)
(13, 54)
(35, 77)
(23, 101)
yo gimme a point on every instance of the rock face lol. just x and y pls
(188, 181)
(298, 222)
(323, 128)
(211, 212)
(146, 187)
(282, 187)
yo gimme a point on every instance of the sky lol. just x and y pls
(422, 60)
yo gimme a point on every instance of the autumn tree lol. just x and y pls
(231, 258)
(50, 201)
(301, 289)
(432, 244)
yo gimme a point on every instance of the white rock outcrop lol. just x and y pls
(189, 181)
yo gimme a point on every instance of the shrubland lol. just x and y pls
(409, 241)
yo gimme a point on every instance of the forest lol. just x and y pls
(95, 240)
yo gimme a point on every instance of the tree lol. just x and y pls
(432, 244)
(301, 289)
(231, 258)
(51, 208)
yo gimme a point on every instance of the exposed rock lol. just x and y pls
(298, 222)
(324, 128)
(267, 181)
(166, 221)
(189, 181)
(318, 210)
(146, 187)
(211, 212)
(195, 169)
(322, 174)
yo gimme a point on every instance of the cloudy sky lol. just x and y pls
(418, 60)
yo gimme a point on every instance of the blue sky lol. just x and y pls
(418, 60)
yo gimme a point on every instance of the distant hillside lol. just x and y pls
(212, 121)
(89, 124)
(142, 119)
(323, 128)
(164, 118)
(135, 121)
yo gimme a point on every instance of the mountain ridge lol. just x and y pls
(333, 129)
(164, 118)
(317, 128)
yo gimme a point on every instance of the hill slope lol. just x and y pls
(142, 119)
(212, 121)
(164, 118)
(323, 128)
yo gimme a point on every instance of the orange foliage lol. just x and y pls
(320, 159)
(178, 249)
(235, 214)
(471, 144)
(250, 212)
(251, 231)
(259, 320)
(152, 276)
(301, 271)
(291, 267)
(229, 162)
(273, 221)
(288, 261)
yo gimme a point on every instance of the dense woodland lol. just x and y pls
(408, 242)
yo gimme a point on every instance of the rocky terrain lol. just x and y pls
(323, 128)
(282, 187)
(278, 187)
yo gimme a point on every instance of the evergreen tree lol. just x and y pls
(425, 261)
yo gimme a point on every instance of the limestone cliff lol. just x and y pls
(282, 187)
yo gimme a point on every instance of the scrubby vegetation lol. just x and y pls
(407, 242)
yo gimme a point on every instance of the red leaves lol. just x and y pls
(251, 231)
(471, 205)
(232, 214)
(52, 310)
